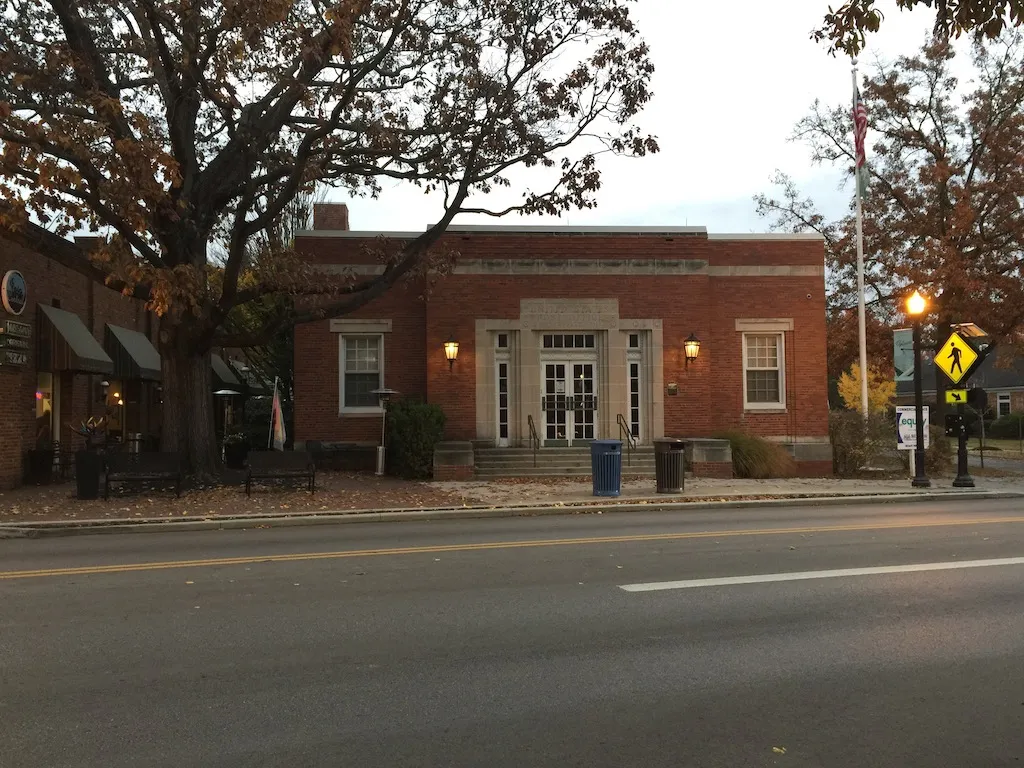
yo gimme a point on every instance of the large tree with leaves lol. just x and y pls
(846, 27)
(176, 124)
(943, 211)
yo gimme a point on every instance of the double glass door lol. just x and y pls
(569, 402)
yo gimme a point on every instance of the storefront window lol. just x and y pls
(44, 409)
(115, 409)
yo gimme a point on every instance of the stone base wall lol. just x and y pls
(813, 457)
(454, 460)
(450, 473)
(814, 469)
(716, 469)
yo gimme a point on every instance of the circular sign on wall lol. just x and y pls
(14, 292)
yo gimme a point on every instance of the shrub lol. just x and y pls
(1006, 427)
(939, 456)
(857, 443)
(414, 428)
(757, 458)
(938, 459)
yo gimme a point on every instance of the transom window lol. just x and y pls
(361, 371)
(763, 375)
(568, 341)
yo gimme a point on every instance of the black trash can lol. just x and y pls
(88, 467)
(606, 467)
(669, 464)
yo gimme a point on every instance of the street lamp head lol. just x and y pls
(916, 304)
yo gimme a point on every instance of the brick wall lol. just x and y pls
(460, 473)
(800, 299)
(317, 369)
(51, 284)
(719, 469)
(710, 389)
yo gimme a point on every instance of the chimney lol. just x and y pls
(330, 216)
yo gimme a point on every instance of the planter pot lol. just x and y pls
(235, 454)
(40, 466)
(88, 467)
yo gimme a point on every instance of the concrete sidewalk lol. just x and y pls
(576, 490)
(528, 497)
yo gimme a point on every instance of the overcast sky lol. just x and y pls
(732, 79)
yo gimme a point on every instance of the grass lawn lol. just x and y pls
(1011, 449)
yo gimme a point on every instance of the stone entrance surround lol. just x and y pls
(539, 316)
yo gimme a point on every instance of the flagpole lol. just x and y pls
(270, 437)
(861, 310)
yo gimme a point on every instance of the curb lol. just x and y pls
(285, 520)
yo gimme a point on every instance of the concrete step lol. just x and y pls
(547, 457)
(581, 466)
(553, 456)
(554, 462)
(516, 453)
(483, 473)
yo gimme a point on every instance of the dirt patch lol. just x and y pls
(335, 491)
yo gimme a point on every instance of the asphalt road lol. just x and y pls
(994, 460)
(512, 643)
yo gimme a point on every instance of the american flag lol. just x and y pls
(860, 129)
(277, 430)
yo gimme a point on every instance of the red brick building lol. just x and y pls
(70, 349)
(573, 328)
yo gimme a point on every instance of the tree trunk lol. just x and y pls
(188, 423)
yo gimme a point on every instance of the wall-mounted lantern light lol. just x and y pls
(691, 348)
(451, 351)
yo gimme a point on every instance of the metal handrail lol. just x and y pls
(630, 441)
(534, 437)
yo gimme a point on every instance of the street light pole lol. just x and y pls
(920, 479)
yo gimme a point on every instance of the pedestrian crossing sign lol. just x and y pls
(956, 358)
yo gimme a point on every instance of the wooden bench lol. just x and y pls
(280, 465)
(142, 468)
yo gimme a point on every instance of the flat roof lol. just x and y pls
(542, 229)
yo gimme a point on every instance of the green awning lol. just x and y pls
(224, 381)
(65, 344)
(134, 355)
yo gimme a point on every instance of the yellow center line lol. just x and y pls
(298, 557)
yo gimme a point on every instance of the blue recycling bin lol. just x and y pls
(606, 467)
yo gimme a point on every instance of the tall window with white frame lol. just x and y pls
(764, 384)
(501, 362)
(1003, 404)
(362, 371)
(634, 361)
